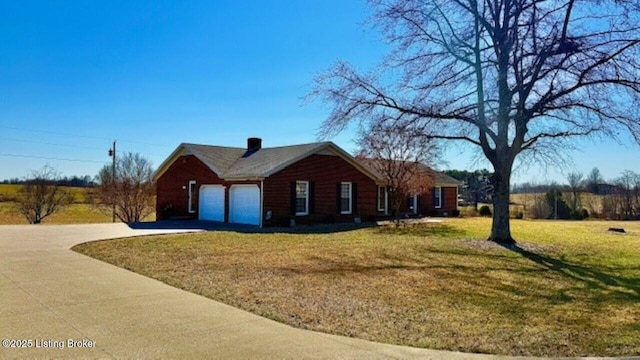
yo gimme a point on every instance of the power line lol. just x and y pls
(52, 132)
(52, 144)
(82, 136)
(51, 158)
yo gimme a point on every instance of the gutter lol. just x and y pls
(261, 202)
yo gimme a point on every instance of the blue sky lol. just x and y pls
(75, 75)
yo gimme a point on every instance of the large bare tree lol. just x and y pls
(507, 76)
(42, 196)
(131, 192)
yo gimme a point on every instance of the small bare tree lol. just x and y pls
(593, 180)
(575, 185)
(41, 196)
(628, 195)
(131, 191)
(400, 155)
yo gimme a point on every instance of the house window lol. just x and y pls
(382, 198)
(302, 198)
(345, 198)
(412, 201)
(192, 196)
(437, 200)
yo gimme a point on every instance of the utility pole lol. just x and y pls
(112, 154)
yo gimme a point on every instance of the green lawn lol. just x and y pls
(573, 290)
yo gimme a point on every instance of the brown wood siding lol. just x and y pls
(325, 171)
(170, 192)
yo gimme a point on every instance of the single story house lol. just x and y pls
(307, 183)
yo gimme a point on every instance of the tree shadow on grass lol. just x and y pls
(594, 278)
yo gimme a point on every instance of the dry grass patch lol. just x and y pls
(575, 291)
(72, 214)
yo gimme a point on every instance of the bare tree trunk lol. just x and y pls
(500, 227)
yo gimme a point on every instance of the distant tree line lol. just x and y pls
(584, 196)
(73, 181)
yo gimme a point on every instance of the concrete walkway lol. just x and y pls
(50, 295)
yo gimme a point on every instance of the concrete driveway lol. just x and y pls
(50, 295)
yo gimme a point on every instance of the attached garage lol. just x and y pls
(244, 204)
(211, 203)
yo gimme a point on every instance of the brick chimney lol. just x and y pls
(253, 144)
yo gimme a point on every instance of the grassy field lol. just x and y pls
(77, 213)
(9, 192)
(72, 214)
(591, 202)
(571, 290)
(80, 212)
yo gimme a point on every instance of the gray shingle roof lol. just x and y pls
(230, 163)
(442, 178)
(439, 178)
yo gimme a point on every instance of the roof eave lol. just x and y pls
(340, 152)
(437, 184)
(168, 161)
(243, 178)
(181, 150)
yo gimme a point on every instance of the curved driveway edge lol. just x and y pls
(50, 295)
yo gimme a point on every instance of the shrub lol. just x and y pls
(579, 214)
(468, 211)
(485, 210)
(557, 205)
(585, 213)
(455, 213)
(518, 215)
(539, 209)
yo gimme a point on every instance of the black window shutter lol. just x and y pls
(354, 198)
(418, 204)
(338, 199)
(442, 198)
(292, 195)
(312, 198)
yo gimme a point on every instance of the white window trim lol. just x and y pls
(350, 198)
(438, 190)
(414, 209)
(384, 204)
(306, 206)
(191, 195)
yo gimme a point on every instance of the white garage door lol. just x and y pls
(212, 202)
(244, 204)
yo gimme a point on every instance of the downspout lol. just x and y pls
(261, 202)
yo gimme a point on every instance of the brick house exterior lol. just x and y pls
(302, 184)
